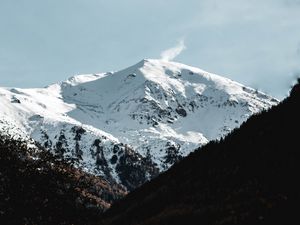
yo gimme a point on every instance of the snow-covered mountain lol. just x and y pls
(128, 125)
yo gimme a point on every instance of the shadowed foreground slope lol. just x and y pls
(35, 188)
(251, 177)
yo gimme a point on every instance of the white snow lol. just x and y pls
(136, 106)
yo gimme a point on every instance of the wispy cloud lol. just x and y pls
(172, 53)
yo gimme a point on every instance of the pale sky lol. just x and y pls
(253, 42)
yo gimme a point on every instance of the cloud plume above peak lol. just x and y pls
(172, 53)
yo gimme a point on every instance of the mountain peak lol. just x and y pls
(144, 114)
(155, 70)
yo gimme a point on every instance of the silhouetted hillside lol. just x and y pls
(35, 188)
(251, 177)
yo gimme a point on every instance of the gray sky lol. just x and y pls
(251, 41)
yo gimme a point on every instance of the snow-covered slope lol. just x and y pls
(128, 125)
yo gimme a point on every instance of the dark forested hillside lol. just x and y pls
(250, 177)
(35, 188)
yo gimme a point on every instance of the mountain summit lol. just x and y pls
(128, 126)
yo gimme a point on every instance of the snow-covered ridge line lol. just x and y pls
(128, 125)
